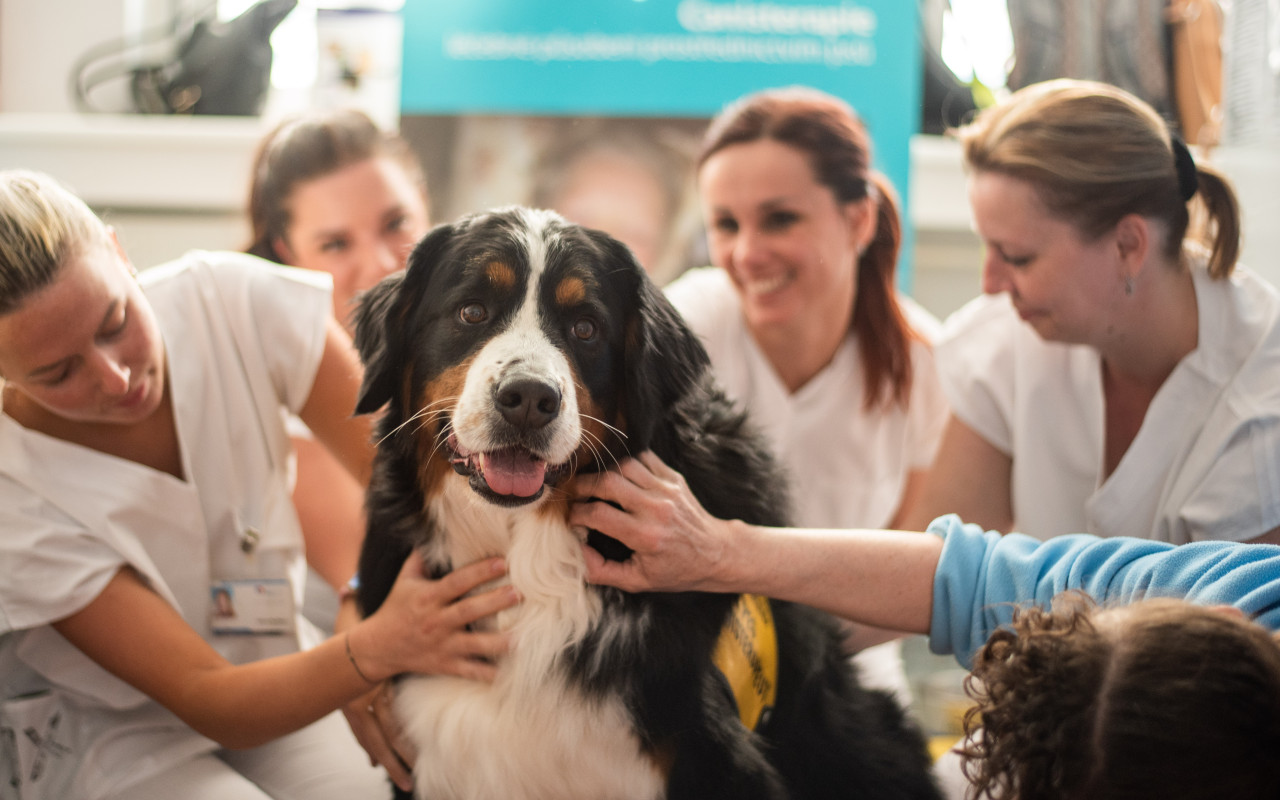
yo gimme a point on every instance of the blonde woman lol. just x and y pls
(1119, 375)
(143, 475)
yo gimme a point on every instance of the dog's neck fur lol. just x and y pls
(544, 564)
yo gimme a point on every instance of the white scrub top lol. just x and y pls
(243, 339)
(1205, 464)
(847, 466)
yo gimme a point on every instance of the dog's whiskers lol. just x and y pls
(432, 417)
(419, 414)
(618, 431)
(596, 445)
(442, 438)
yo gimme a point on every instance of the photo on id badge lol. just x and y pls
(248, 607)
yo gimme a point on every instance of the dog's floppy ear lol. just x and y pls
(373, 343)
(664, 361)
(382, 316)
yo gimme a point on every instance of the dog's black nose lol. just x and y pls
(527, 403)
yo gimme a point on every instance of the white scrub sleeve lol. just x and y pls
(976, 364)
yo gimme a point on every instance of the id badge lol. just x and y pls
(262, 607)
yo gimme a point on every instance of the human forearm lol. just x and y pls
(422, 627)
(880, 578)
(246, 705)
(236, 705)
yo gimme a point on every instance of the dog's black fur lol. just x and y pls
(648, 375)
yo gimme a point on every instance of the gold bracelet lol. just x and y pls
(346, 643)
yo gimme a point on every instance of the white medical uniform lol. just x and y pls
(1205, 463)
(243, 338)
(848, 467)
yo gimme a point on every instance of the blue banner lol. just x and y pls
(664, 58)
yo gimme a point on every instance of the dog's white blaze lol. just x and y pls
(522, 348)
(530, 728)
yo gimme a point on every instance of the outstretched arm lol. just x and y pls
(881, 578)
(956, 586)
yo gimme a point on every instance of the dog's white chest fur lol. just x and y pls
(531, 734)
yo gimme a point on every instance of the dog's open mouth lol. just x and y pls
(508, 476)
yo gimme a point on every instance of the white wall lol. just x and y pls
(167, 183)
(41, 41)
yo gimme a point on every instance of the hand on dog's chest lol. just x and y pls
(607, 546)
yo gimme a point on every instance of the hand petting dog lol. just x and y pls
(450, 609)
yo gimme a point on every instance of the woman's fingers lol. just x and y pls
(486, 645)
(629, 481)
(467, 578)
(371, 731)
(476, 607)
(398, 751)
(613, 485)
(640, 471)
(603, 517)
(658, 468)
(622, 575)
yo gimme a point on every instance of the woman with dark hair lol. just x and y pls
(1158, 699)
(802, 318)
(332, 192)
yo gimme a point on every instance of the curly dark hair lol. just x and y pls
(1157, 700)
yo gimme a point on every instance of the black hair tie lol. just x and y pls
(1188, 180)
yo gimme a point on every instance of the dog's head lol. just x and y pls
(517, 348)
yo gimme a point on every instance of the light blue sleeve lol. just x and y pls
(982, 576)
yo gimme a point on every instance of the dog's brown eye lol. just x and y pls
(473, 313)
(584, 329)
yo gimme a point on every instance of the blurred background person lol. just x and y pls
(632, 182)
(330, 191)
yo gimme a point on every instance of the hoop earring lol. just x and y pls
(1128, 285)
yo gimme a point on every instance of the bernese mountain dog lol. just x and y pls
(515, 351)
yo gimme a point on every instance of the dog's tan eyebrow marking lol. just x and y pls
(500, 275)
(571, 291)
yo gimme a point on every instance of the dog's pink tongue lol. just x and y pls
(513, 472)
